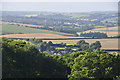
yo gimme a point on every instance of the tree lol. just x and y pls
(49, 43)
(20, 59)
(76, 34)
(27, 62)
(80, 42)
(85, 46)
(82, 45)
(43, 46)
(95, 66)
(94, 34)
(95, 46)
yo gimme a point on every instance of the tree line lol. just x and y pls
(94, 34)
(80, 45)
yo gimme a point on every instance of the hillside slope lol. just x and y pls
(111, 31)
(14, 29)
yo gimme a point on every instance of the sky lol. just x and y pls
(59, 5)
(59, 0)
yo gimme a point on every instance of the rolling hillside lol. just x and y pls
(111, 31)
(14, 29)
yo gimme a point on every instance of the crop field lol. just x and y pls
(106, 43)
(111, 31)
(30, 15)
(20, 24)
(34, 35)
(38, 36)
(109, 28)
(14, 29)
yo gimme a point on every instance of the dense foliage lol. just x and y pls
(80, 46)
(23, 60)
(94, 34)
(95, 65)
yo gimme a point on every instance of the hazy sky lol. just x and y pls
(59, 6)
(59, 0)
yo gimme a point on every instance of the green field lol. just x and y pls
(30, 15)
(80, 15)
(114, 19)
(100, 26)
(59, 47)
(14, 29)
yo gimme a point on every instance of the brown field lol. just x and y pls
(106, 43)
(111, 43)
(111, 31)
(109, 28)
(37, 36)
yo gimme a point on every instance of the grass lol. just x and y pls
(113, 19)
(78, 15)
(69, 44)
(56, 43)
(7, 28)
(99, 26)
(59, 47)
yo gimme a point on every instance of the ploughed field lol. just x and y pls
(38, 36)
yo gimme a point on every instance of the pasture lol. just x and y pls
(14, 29)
